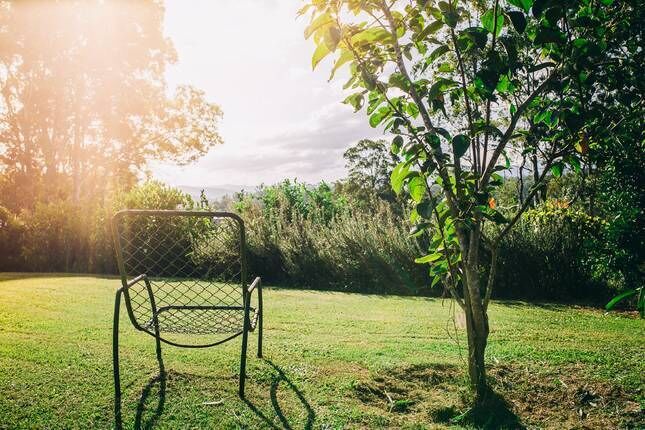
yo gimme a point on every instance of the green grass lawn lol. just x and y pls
(332, 360)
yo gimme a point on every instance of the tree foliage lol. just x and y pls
(83, 104)
(369, 164)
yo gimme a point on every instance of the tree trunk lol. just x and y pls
(477, 341)
(476, 319)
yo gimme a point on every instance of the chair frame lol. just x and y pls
(256, 285)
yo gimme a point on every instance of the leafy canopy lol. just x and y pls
(466, 87)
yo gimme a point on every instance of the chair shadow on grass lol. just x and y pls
(279, 378)
(148, 420)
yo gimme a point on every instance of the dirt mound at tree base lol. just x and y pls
(522, 397)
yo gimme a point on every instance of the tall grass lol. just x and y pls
(316, 237)
(369, 252)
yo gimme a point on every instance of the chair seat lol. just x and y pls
(202, 320)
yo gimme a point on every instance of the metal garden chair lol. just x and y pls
(184, 281)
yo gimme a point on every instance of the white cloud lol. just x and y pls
(281, 119)
(310, 150)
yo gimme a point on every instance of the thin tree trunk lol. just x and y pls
(476, 319)
(540, 196)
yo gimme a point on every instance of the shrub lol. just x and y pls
(311, 237)
(552, 255)
(11, 231)
(154, 195)
(53, 238)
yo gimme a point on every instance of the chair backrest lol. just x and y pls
(188, 258)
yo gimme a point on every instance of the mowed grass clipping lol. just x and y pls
(332, 360)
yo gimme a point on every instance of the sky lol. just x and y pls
(281, 119)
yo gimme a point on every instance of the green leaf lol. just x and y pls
(491, 23)
(371, 35)
(443, 132)
(433, 140)
(539, 6)
(549, 35)
(541, 116)
(319, 22)
(377, 117)
(398, 80)
(580, 42)
(417, 188)
(478, 35)
(368, 79)
(482, 127)
(332, 37)
(429, 258)
(441, 86)
(397, 143)
(622, 296)
(574, 162)
(518, 19)
(436, 53)
(418, 229)
(523, 4)
(425, 208)
(321, 52)
(445, 67)
(430, 29)
(355, 100)
(556, 169)
(345, 56)
(398, 175)
(460, 144)
(374, 101)
(510, 44)
(507, 160)
(450, 16)
(505, 85)
(412, 109)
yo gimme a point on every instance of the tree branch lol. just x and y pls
(511, 128)
(447, 187)
(491, 277)
(487, 132)
(525, 205)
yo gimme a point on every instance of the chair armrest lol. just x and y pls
(136, 280)
(257, 282)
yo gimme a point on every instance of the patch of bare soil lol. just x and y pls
(566, 398)
(548, 398)
(417, 394)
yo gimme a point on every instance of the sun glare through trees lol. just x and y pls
(322, 214)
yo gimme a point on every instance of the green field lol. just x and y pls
(332, 360)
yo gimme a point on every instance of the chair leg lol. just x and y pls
(162, 369)
(245, 337)
(261, 311)
(260, 335)
(155, 321)
(115, 362)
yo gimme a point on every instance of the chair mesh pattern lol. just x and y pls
(193, 266)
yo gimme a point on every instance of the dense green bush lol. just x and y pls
(311, 237)
(553, 254)
(11, 231)
(68, 237)
(318, 237)
(52, 237)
